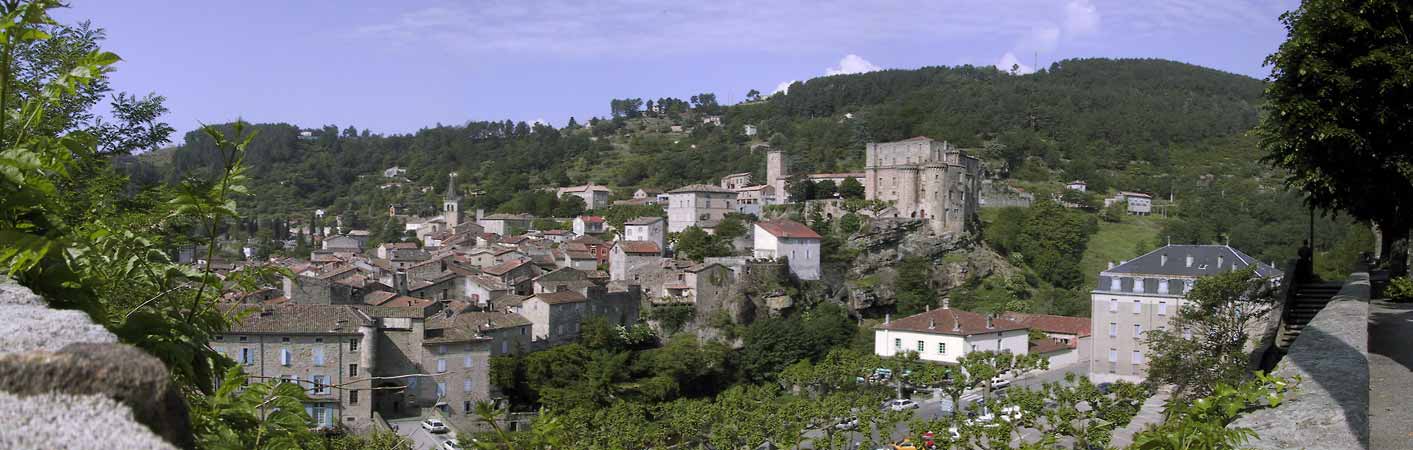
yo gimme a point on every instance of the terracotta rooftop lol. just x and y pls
(591, 219)
(1047, 345)
(787, 229)
(556, 298)
(503, 268)
(1078, 326)
(951, 321)
(639, 247)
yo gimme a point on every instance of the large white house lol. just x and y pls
(1144, 294)
(791, 240)
(945, 334)
(698, 205)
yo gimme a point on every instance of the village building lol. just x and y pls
(698, 205)
(585, 225)
(628, 257)
(1072, 332)
(791, 240)
(594, 196)
(1077, 185)
(736, 180)
(506, 224)
(1137, 203)
(1143, 294)
(944, 335)
(651, 229)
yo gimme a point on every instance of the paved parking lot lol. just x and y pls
(411, 427)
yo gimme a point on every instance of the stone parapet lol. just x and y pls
(1330, 408)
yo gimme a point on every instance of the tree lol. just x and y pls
(1338, 87)
(914, 286)
(1205, 343)
(695, 244)
(825, 189)
(1053, 240)
(851, 188)
(753, 95)
(800, 188)
(137, 126)
(732, 226)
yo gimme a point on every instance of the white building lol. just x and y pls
(945, 334)
(698, 205)
(752, 199)
(650, 229)
(1139, 204)
(750, 130)
(1144, 294)
(1077, 185)
(394, 172)
(791, 240)
(736, 180)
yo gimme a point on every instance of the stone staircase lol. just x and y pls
(1306, 301)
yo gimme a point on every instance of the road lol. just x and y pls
(411, 428)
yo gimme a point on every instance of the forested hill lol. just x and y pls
(1134, 122)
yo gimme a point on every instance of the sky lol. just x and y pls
(396, 67)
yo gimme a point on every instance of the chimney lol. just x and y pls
(1189, 260)
(956, 324)
(887, 318)
(926, 308)
(1164, 261)
(1111, 264)
(1221, 259)
(931, 323)
(946, 302)
(400, 282)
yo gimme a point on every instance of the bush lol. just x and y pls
(1400, 289)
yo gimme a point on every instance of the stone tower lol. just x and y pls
(777, 169)
(451, 207)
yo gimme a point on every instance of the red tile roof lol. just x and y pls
(1078, 326)
(787, 229)
(1047, 345)
(503, 268)
(951, 321)
(591, 219)
(639, 247)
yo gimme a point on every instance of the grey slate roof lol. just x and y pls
(1204, 262)
(299, 319)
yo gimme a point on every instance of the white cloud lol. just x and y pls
(852, 63)
(1081, 18)
(783, 87)
(1009, 61)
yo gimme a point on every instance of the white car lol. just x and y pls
(434, 426)
(450, 445)
(900, 404)
(1000, 383)
(847, 424)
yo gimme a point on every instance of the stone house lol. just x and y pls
(736, 180)
(1077, 185)
(698, 205)
(945, 335)
(791, 240)
(515, 274)
(752, 199)
(594, 196)
(628, 257)
(651, 229)
(342, 243)
(924, 179)
(564, 298)
(557, 236)
(456, 350)
(1138, 203)
(585, 225)
(506, 224)
(326, 349)
(386, 249)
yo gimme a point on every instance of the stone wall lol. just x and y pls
(65, 382)
(1330, 408)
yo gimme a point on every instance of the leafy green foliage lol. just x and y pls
(1053, 241)
(695, 244)
(1204, 345)
(1202, 423)
(243, 415)
(771, 345)
(914, 286)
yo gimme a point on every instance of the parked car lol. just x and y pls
(900, 404)
(847, 424)
(1000, 383)
(434, 426)
(905, 444)
(450, 445)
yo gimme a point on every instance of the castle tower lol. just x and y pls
(777, 169)
(451, 208)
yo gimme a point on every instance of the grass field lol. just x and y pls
(1118, 241)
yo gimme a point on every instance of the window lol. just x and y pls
(898, 344)
(319, 340)
(220, 338)
(466, 362)
(284, 357)
(441, 390)
(243, 338)
(319, 356)
(1162, 308)
(284, 339)
(919, 346)
(352, 370)
(1113, 305)
(353, 344)
(466, 406)
(941, 347)
(247, 357)
(1113, 329)
(1137, 306)
(319, 414)
(353, 397)
(441, 349)
(319, 386)
(1137, 329)
(1137, 357)
(1113, 355)
(466, 385)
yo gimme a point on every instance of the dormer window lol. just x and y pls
(1115, 284)
(1137, 285)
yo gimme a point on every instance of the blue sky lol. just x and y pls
(395, 67)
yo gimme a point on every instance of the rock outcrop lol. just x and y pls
(884, 242)
(65, 382)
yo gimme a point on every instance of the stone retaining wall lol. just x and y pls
(1330, 410)
(65, 382)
